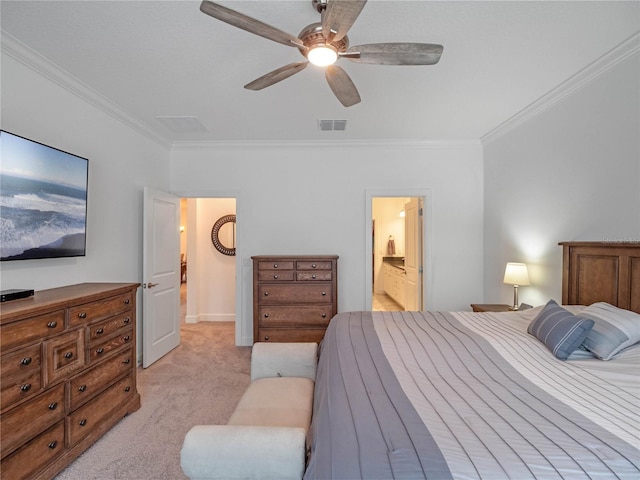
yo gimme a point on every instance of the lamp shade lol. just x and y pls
(516, 274)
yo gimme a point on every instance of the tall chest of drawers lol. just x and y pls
(294, 297)
(68, 374)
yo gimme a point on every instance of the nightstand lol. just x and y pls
(491, 307)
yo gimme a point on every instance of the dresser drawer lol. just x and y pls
(102, 350)
(22, 464)
(20, 364)
(319, 265)
(31, 329)
(89, 312)
(18, 389)
(31, 418)
(292, 294)
(88, 417)
(64, 354)
(88, 384)
(275, 275)
(290, 334)
(311, 276)
(275, 265)
(290, 316)
(104, 329)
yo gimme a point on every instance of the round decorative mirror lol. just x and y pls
(223, 235)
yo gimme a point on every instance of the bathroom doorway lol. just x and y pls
(397, 249)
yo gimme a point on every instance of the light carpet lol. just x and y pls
(199, 382)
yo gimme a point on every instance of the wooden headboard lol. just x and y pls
(601, 272)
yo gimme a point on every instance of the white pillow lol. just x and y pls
(614, 329)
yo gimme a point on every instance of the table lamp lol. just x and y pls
(516, 274)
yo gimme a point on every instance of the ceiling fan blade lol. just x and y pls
(395, 53)
(249, 24)
(339, 16)
(342, 86)
(276, 76)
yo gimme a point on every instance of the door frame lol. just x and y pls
(244, 333)
(427, 243)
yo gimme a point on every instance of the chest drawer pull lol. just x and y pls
(100, 351)
(53, 444)
(82, 388)
(314, 266)
(68, 355)
(53, 405)
(52, 324)
(313, 276)
(324, 294)
(127, 389)
(266, 294)
(275, 277)
(126, 338)
(266, 338)
(127, 321)
(266, 315)
(275, 265)
(127, 361)
(25, 361)
(100, 331)
(82, 315)
(324, 315)
(25, 387)
(82, 422)
(126, 301)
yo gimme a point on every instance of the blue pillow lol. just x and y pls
(560, 330)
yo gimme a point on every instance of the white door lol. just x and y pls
(413, 255)
(161, 275)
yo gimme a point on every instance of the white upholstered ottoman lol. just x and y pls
(265, 437)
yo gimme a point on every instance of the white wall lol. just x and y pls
(570, 173)
(121, 163)
(311, 199)
(211, 288)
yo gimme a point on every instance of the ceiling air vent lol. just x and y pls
(332, 125)
(182, 124)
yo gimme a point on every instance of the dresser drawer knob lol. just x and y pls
(324, 315)
(275, 265)
(68, 355)
(53, 405)
(313, 276)
(266, 315)
(324, 294)
(53, 444)
(82, 315)
(100, 331)
(127, 320)
(82, 422)
(314, 266)
(25, 361)
(275, 277)
(127, 389)
(127, 361)
(100, 351)
(25, 387)
(82, 388)
(52, 324)
(266, 294)
(127, 301)
(126, 338)
(266, 338)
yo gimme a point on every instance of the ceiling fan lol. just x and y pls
(325, 42)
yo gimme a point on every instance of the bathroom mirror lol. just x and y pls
(223, 235)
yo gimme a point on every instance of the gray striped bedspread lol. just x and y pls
(411, 395)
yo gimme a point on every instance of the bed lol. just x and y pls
(410, 395)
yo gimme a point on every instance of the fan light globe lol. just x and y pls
(322, 56)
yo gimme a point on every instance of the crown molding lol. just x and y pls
(620, 53)
(31, 59)
(337, 144)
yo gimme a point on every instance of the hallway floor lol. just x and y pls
(384, 303)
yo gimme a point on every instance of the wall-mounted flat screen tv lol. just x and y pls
(43, 200)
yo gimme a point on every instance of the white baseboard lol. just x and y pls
(210, 317)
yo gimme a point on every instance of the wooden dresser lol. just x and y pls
(68, 374)
(294, 297)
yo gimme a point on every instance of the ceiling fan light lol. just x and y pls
(322, 55)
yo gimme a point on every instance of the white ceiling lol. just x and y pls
(166, 58)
